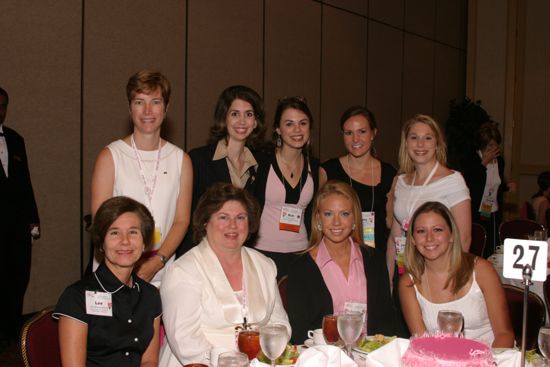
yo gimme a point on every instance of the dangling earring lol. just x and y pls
(353, 227)
(279, 142)
(319, 228)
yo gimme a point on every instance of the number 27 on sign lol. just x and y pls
(518, 253)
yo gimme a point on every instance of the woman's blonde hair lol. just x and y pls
(461, 264)
(335, 187)
(406, 164)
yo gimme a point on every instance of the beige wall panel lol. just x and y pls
(385, 66)
(418, 76)
(450, 25)
(292, 51)
(420, 17)
(40, 60)
(225, 42)
(447, 81)
(355, 6)
(343, 74)
(387, 11)
(536, 98)
(491, 46)
(117, 43)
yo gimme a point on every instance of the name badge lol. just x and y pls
(368, 228)
(290, 219)
(157, 236)
(400, 243)
(357, 307)
(99, 303)
(518, 253)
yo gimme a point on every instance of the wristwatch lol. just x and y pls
(163, 259)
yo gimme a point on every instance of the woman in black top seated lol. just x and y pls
(111, 317)
(338, 272)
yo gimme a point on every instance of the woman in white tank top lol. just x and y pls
(441, 276)
(148, 169)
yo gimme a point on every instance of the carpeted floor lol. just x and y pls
(11, 357)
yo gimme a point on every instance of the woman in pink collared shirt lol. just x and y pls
(337, 273)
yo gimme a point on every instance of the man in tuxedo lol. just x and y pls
(19, 223)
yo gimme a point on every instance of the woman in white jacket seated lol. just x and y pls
(218, 285)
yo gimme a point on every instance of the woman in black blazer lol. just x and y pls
(338, 272)
(238, 128)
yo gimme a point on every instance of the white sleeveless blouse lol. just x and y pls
(471, 305)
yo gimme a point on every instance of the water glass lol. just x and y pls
(450, 322)
(350, 325)
(544, 343)
(232, 359)
(540, 235)
(273, 340)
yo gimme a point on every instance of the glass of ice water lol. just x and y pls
(450, 322)
(232, 359)
(350, 325)
(544, 343)
(273, 340)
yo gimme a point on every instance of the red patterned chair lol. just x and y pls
(40, 341)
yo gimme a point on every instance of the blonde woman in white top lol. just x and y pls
(441, 276)
(423, 177)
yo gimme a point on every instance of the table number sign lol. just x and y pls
(517, 253)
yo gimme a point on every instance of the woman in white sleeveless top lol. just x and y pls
(148, 169)
(440, 276)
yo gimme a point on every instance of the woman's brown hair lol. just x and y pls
(461, 264)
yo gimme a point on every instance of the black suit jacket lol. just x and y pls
(207, 172)
(309, 298)
(475, 175)
(17, 203)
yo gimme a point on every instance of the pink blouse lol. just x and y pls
(354, 288)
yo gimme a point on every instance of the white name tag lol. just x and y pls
(290, 219)
(355, 307)
(99, 303)
(518, 253)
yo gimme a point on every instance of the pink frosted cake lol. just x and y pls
(447, 351)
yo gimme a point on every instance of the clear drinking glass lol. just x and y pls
(540, 235)
(273, 340)
(544, 343)
(450, 322)
(350, 325)
(232, 359)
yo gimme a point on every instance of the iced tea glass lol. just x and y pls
(330, 329)
(249, 343)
